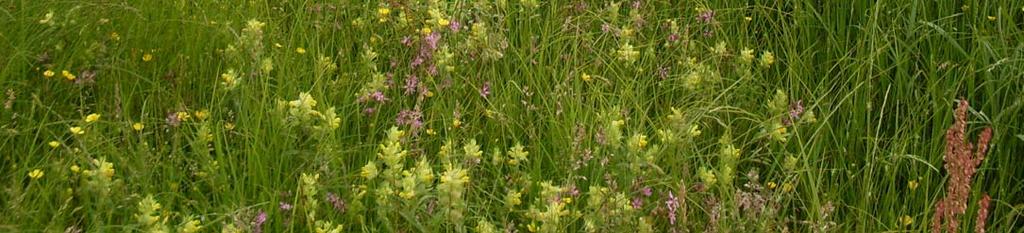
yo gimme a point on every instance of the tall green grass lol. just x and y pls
(881, 78)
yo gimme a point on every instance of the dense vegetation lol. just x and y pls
(511, 116)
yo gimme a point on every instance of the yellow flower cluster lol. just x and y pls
(36, 174)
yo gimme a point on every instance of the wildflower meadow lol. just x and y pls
(185, 116)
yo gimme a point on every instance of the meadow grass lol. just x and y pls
(511, 116)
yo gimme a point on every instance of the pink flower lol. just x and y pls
(795, 110)
(410, 84)
(285, 206)
(707, 16)
(257, 224)
(637, 203)
(672, 204)
(336, 202)
(173, 120)
(455, 26)
(485, 90)
(411, 118)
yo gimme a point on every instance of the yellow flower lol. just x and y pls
(426, 31)
(991, 18)
(147, 57)
(787, 187)
(443, 22)
(114, 36)
(138, 126)
(586, 77)
(456, 123)
(694, 131)
(35, 174)
(48, 19)
(767, 59)
(906, 220)
(771, 185)
(202, 114)
(618, 122)
(513, 198)
(431, 132)
(748, 18)
(48, 73)
(369, 171)
(229, 126)
(191, 225)
(183, 116)
(383, 13)
(68, 75)
(54, 144)
(75, 168)
(747, 55)
(912, 184)
(92, 118)
(300, 50)
(77, 130)
(278, 45)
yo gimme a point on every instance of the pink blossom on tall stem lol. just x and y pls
(673, 37)
(706, 16)
(427, 47)
(257, 223)
(285, 206)
(411, 82)
(376, 96)
(663, 72)
(407, 41)
(485, 90)
(672, 204)
(455, 26)
(411, 118)
(795, 110)
(336, 202)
